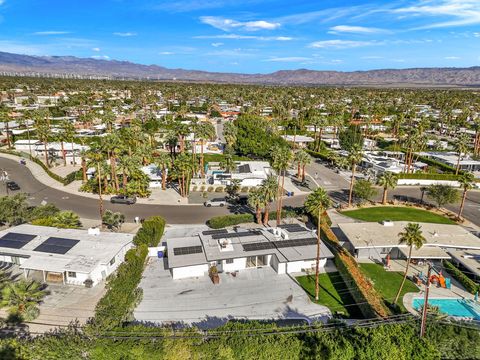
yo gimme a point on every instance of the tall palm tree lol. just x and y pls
(69, 132)
(205, 131)
(387, 180)
(411, 236)
(97, 159)
(316, 204)
(227, 163)
(354, 157)
(269, 192)
(461, 147)
(182, 167)
(302, 159)
(230, 133)
(163, 161)
(281, 156)
(23, 297)
(5, 118)
(467, 182)
(256, 201)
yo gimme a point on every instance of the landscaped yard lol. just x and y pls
(333, 293)
(387, 283)
(397, 213)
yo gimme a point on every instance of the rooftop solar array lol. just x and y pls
(55, 245)
(236, 234)
(187, 250)
(213, 232)
(279, 244)
(293, 228)
(14, 240)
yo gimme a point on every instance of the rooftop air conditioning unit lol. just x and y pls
(387, 223)
(94, 231)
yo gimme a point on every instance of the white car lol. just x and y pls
(215, 202)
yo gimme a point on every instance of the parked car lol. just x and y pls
(12, 185)
(123, 199)
(215, 202)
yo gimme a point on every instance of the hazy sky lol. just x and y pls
(250, 35)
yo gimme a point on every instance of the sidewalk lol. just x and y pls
(158, 197)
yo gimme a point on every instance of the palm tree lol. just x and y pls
(22, 297)
(113, 220)
(281, 160)
(316, 204)
(269, 192)
(354, 157)
(387, 180)
(411, 236)
(163, 161)
(228, 164)
(230, 133)
(302, 159)
(62, 137)
(69, 133)
(461, 148)
(83, 155)
(205, 131)
(182, 167)
(97, 159)
(5, 118)
(467, 182)
(256, 201)
(66, 220)
(43, 130)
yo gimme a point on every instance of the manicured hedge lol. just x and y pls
(219, 222)
(427, 176)
(122, 295)
(323, 156)
(438, 164)
(151, 232)
(471, 286)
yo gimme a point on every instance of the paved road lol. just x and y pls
(89, 208)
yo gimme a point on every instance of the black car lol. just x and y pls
(123, 199)
(12, 185)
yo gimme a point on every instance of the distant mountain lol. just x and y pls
(25, 64)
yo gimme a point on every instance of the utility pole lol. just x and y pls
(423, 324)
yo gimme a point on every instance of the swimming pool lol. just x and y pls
(453, 307)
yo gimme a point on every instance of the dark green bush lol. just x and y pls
(427, 176)
(151, 231)
(219, 222)
(463, 279)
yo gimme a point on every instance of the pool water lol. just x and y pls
(453, 307)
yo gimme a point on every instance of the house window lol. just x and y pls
(72, 274)
(112, 261)
(229, 261)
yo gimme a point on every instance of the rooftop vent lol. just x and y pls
(387, 223)
(94, 231)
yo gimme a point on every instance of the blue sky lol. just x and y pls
(251, 35)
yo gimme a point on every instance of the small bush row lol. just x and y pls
(151, 232)
(471, 286)
(427, 176)
(218, 222)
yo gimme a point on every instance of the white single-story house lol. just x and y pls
(26, 145)
(299, 140)
(154, 173)
(287, 249)
(249, 173)
(468, 260)
(55, 149)
(380, 164)
(68, 256)
(451, 159)
(371, 240)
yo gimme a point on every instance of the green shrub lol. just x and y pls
(151, 232)
(471, 286)
(219, 222)
(219, 189)
(210, 189)
(429, 176)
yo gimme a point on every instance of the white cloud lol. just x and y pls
(288, 59)
(452, 58)
(101, 57)
(229, 24)
(476, 34)
(461, 12)
(245, 37)
(52, 32)
(166, 53)
(96, 49)
(125, 34)
(355, 30)
(217, 44)
(341, 44)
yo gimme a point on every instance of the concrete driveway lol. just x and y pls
(252, 294)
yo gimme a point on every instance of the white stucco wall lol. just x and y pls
(238, 264)
(189, 271)
(298, 266)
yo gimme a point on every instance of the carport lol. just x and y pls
(53, 270)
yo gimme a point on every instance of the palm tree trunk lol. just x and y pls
(46, 154)
(63, 154)
(299, 176)
(266, 215)
(8, 135)
(384, 199)
(464, 196)
(73, 154)
(259, 215)
(280, 206)
(84, 170)
(164, 178)
(201, 159)
(404, 275)
(350, 195)
(458, 164)
(317, 262)
(29, 144)
(303, 173)
(100, 199)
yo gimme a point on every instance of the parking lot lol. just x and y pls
(252, 294)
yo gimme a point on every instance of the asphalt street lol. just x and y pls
(88, 208)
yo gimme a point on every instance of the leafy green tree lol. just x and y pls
(354, 157)
(14, 210)
(364, 190)
(351, 138)
(233, 188)
(467, 182)
(230, 132)
(23, 297)
(66, 220)
(461, 147)
(316, 204)
(412, 237)
(5, 119)
(113, 220)
(227, 163)
(387, 180)
(442, 194)
(43, 211)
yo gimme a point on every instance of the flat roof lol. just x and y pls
(230, 245)
(87, 252)
(375, 235)
(470, 259)
(426, 252)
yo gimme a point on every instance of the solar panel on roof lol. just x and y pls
(265, 245)
(236, 234)
(293, 228)
(56, 245)
(14, 240)
(258, 246)
(187, 250)
(213, 232)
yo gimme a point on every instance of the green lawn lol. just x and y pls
(387, 283)
(397, 213)
(333, 293)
